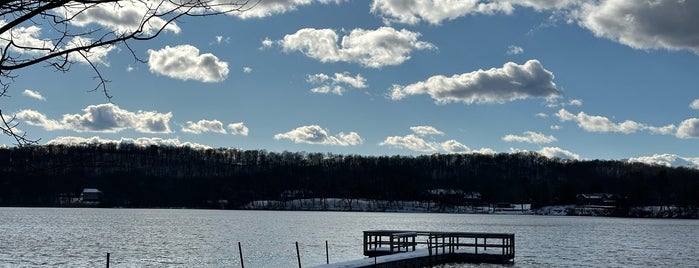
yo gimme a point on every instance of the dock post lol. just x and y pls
(298, 255)
(240, 251)
(107, 259)
(327, 256)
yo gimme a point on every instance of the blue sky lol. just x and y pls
(571, 79)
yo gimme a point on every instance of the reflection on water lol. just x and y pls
(81, 237)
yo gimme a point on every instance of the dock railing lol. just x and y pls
(498, 246)
(378, 243)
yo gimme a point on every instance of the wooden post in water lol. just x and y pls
(298, 255)
(240, 251)
(107, 259)
(327, 255)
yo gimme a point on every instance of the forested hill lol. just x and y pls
(154, 176)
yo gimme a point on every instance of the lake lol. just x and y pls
(81, 237)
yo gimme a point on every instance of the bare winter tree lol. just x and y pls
(58, 34)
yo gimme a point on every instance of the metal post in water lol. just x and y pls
(327, 256)
(298, 255)
(107, 259)
(240, 251)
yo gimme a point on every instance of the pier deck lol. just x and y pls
(394, 248)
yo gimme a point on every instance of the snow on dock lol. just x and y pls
(392, 248)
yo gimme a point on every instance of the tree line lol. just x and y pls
(165, 176)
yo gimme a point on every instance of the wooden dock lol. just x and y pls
(394, 248)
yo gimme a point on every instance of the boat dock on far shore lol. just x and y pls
(394, 248)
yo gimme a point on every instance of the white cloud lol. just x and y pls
(658, 24)
(247, 70)
(33, 94)
(35, 118)
(595, 123)
(414, 142)
(314, 134)
(184, 62)
(694, 105)
(437, 11)
(514, 50)
(124, 16)
(452, 146)
(541, 115)
(669, 160)
(267, 43)
(335, 84)
(101, 118)
(555, 152)
(555, 127)
(268, 8)
(530, 137)
(426, 130)
(688, 129)
(496, 85)
(96, 55)
(140, 142)
(203, 126)
(238, 129)
(411, 142)
(369, 48)
(575, 102)
(222, 39)
(433, 11)
(484, 151)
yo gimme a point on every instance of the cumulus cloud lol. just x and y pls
(314, 134)
(27, 40)
(415, 142)
(496, 85)
(267, 43)
(514, 50)
(660, 24)
(426, 130)
(688, 129)
(669, 160)
(335, 84)
(555, 152)
(124, 16)
(140, 142)
(95, 55)
(593, 123)
(694, 105)
(272, 7)
(530, 137)
(184, 62)
(33, 94)
(575, 102)
(437, 11)
(411, 142)
(101, 118)
(203, 126)
(369, 48)
(238, 129)
(452, 146)
(432, 11)
(247, 70)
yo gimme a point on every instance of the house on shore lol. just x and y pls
(91, 195)
(597, 199)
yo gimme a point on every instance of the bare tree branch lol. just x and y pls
(79, 27)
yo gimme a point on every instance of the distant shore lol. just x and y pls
(369, 205)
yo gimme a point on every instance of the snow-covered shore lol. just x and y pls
(370, 205)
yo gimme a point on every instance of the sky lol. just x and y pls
(612, 80)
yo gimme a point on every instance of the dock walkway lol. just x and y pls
(394, 248)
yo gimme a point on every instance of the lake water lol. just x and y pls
(81, 237)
